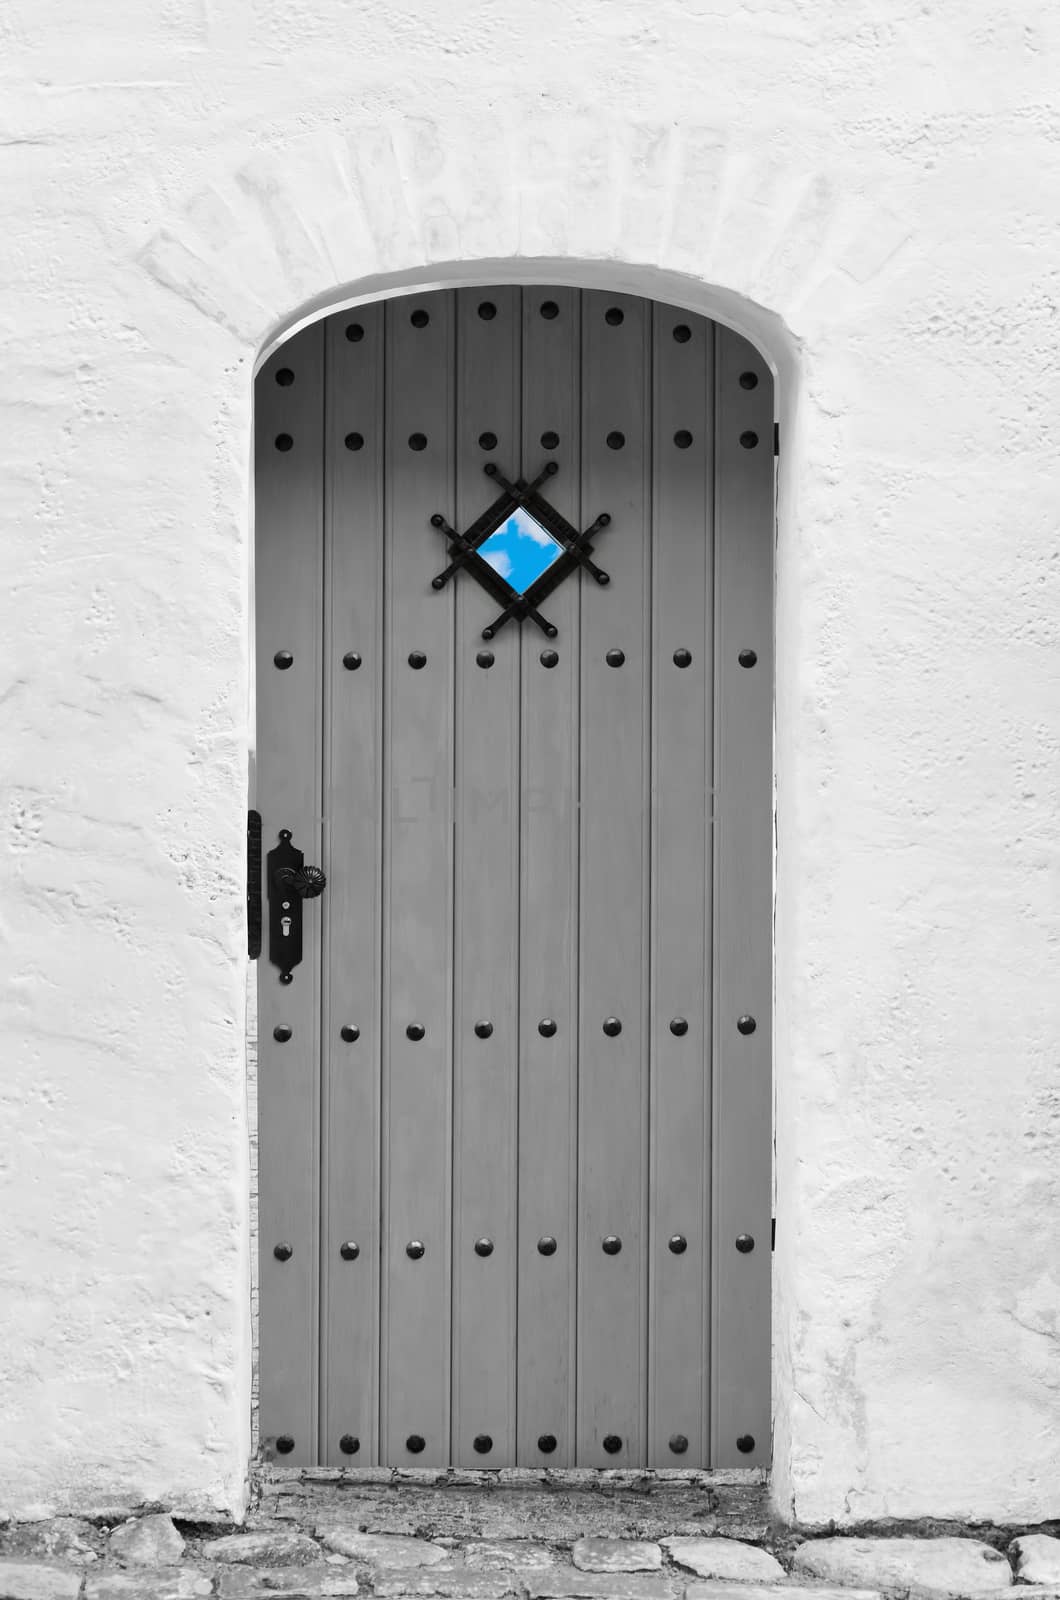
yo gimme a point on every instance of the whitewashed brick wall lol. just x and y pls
(870, 190)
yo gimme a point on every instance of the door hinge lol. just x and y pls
(776, 438)
(253, 884)
(773, 1233)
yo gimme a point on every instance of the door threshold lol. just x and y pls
(642, 1478)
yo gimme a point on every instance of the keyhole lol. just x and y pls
(285, 927)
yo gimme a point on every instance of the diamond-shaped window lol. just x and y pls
(513, 549)
(521, 550)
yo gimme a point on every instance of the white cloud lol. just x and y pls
(527, 528)
(499, 560)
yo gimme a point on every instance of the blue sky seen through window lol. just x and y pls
(520, 550)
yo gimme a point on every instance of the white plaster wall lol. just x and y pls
(870, 188)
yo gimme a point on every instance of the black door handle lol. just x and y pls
(290, 883)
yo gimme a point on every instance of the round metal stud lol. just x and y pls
(615, 658)
(746, 1025)
(682, 658)
(612, 1444)
(745, 1443)
(420, 318)
(614, 316)
(549, 440)
(677, 1244)
(487, 441)
(483, 1444)
(349, 1444)
(678, 1027)
(546, 1443)
(483, 1247)
(487, 310)
(351, 661)
(283, 1252)
(678, 1444)
(417, 441)
(682, 438)
(417, 660)
(615, 440)
(748, 380)
(284, 1444)
(483, 1029)
(546, 1245)
(612, 1027)
(354, 332)
(349, 1250)
(415, 1443)
(747, 658)
(549, 658)
(285, 377)
(682, 333)
(282, 1032)
(744, 1243)
(485, 658)
(546, 1027)
(349, 1033)
(284, 441)
(415, 1031)
(749, 439)
(283, 659)
(354, 441)
(415, 1249)
(549, 310)
(612, 1244)
(286, 977)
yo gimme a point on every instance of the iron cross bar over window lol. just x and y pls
(520, 549)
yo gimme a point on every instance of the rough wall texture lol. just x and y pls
(882, 178)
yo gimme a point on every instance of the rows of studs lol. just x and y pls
(349, 1444)
(283, 659)
(547, 1245)
(614, 316)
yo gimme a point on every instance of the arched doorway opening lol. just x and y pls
(514, 696)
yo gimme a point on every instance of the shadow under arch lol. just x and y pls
(762, 327)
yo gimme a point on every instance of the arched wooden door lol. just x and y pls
(515, 1122)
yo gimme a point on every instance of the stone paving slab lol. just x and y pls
(777, 1591)
(454, 1581)
(150, 1541)
(380, 1549)
(267, 1547)
(726, 1559)
(616, 1555)
(161, 1583)
(517, 1554)
(1037, 1559)
(37, 1580)
(567, 1583)
(953, 1569)
(287, 1583)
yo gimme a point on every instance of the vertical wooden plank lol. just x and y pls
(548, 1079)
(486, 921)
(417, 995)
(288, 448)
(682, 753)
(614, 845)
(743, 868)
(353, 633)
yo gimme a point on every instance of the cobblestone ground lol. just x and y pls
(512, 1536)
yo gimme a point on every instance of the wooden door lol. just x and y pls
(515, 1118)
